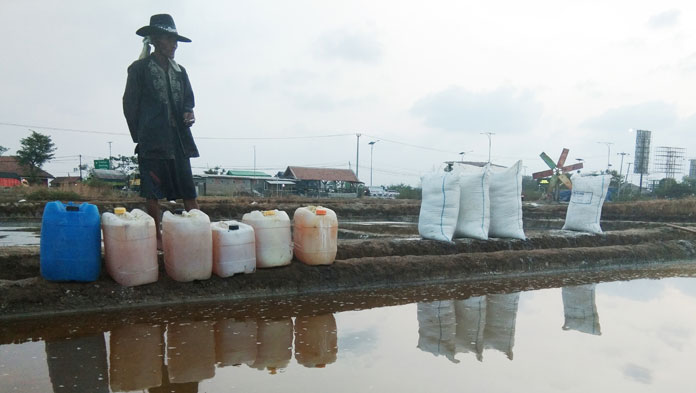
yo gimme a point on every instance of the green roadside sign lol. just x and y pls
(101, 164)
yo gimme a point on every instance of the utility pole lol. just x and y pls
(110, 142)
(608, 153)
(372, 146)
(357, 157)
(253, 180)
(489, 144)
(80, 167)
(622, 154)
(627, 171)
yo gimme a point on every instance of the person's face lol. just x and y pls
(165, 45)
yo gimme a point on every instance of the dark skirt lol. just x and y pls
(166, 178)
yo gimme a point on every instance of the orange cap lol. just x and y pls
(321, 212)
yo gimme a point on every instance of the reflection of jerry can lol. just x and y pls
(188, 245)
(130, 246)
(275, 344)
(316, 340)
(235, 342)
(78, 364)
(135, 357)
(273, 237)
(70, 242)
(315, 235)
(190, 351)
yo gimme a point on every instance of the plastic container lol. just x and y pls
(190, 352)
(235, 342)
(274, 349)
(136, 357)
(234, 248)
(315, 235)
(273, 237)
(188, 245)
(130, 246)
(70, 242)
(316, 340)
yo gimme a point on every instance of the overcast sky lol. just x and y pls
(423, 78)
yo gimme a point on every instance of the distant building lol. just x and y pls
(65, 181)
(323, 180)
(115, 178)
(241, 183)
(12, 173)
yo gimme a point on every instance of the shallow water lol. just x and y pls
(636, 336)
(19, 233)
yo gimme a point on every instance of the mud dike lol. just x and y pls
(371, 256)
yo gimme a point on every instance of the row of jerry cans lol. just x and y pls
(193, 246)
(167, 357)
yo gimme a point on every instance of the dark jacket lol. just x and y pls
(155, 125)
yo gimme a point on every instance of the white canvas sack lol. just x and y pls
(586, 201)
(439, 205)
(474, 203)
(506, 202)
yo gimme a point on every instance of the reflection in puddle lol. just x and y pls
(580, 309)
(218, 349)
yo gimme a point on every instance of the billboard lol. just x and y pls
(641, 158)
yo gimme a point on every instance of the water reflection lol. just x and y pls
(78, 364)
(223, 347)
(136, 357)
(580, 309)
(449, 327)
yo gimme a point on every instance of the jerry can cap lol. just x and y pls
(120, 210)
(268, 212)
(321, 212)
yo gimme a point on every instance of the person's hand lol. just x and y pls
(189, 119)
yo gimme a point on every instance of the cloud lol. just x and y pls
(502, 110)
(665, 19)
(653, 115)
(638, 373)
(351, 46)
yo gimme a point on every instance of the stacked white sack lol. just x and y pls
(586, 201)
(474, 203)
(439, 206)
(506, 202)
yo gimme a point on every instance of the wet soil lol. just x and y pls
(382, 254)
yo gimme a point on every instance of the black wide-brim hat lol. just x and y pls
(161, 24)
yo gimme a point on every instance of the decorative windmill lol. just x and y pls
(557, 171)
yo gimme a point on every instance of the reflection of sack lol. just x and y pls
(437, 328)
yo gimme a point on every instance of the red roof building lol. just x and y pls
(12, 172)
(322, 181)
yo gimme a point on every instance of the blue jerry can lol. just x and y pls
(70, 242)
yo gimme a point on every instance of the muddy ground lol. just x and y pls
(379, 248)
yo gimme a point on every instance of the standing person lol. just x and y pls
(158, 105)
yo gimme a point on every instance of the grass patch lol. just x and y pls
(54, 195)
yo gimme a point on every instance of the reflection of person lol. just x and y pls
(158, 106)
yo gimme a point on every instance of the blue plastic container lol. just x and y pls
(70, 242)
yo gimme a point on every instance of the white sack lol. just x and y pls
(474, 203)
(440, 206)
(586, 201)
(506, 202)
